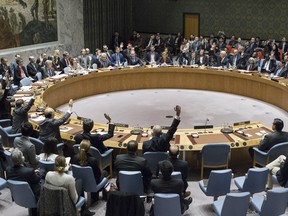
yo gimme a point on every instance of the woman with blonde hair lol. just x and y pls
(83, 158)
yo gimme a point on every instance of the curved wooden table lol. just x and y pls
(177, 78)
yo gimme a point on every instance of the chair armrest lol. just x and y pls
(257, 151)
(260, 157)
(14, 135)
(5, 122)
(107, 153)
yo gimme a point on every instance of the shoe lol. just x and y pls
(189, 200)
(86, 212)
(187, 194)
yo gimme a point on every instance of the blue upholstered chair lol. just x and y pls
(26, 81)
(167, 205)
(218, 183)
(39, 75)
(88, 180)
(5, 122)
(105, 159)
(6, 137)
(263, 158)
(22, 194)
(234, 204)
(153, 158)
(214, 156)
(3, 183)
(174, 175)
(273, 204)
(60, 147)
(131, 181)
(47, 165)
(38, 145)
(254, 181)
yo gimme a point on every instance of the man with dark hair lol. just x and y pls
(274, 138)
(5, 108)
(20, 114)
(166, 184)
(180, 166)
(132, 162)
(160, 141)
(95, 139)
(50, 126)
(25, 146)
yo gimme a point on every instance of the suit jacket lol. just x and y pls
(148, 57)
(28, 149)
(205, 60)
(17, 75)
(5, 107)
(283, 72)
(20, 116)
(180, 166)
(46, 73)
(161, 143)
(224, 62)
(169, 186)
(32, 70)
(81, 60)
(114, 59)
(96, 139)
(27, 174)
(102, 64)
(272, 139)
(285, 47)
(235, 59)
(129, 162)
(272, 66)
(282, 174)
(63, 64)
(135, 61)
(168, 61)
(50, 128)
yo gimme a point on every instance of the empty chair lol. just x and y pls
(22, 194)
(58, 197)
(254, 181)
(88, 180)
(38, 145)
(26, 81)
(167, 205)
(7, 138)
(131, 181)
(214, 156)
(218, 183)
(105, 159)
(263, 158)
(234, 204)
(153, 158)
(273, 204)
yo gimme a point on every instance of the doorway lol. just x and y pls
(191, 24)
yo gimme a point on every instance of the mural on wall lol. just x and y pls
(27, 22)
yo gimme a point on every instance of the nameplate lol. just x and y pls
(241, 123)
(121, 125)
(203, 126)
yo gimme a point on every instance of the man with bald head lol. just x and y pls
(132, 162)
(179, 166)
(50, 126)
(161, 141)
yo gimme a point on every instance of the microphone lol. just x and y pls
(79, 117)
(205, 126)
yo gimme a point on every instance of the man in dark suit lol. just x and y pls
(20, 114)
(64, 62)
(234, 58)
(152, 57)
(4, 68)
(117, 58)
(223, 60)
(50, 126)
(103, 61)
(48, 70)
(283, 46)
(32, 68)
(24, 144)
(95, 139)
(165, 60)
(179, 166)
(202, 59)
(132, 162)
(160, 141)
(281, 70)
(134, 60)
(269, 64)
(41, 60)
(166, 184)
(5, 107)
(274, 138)
(20, 72)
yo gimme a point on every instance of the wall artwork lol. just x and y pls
(27, 22)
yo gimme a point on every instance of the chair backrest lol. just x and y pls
(277, 150)
(55, 201)
(215, 154)
(3, 183)
(219, 182)
(38, 145)
(174, 175)
(5, 122)
(94, 152)
(67, 69)
(7, 139)
(236, 204)
(94, 66)
(167, 204)
(131, 181)
(87, 176)
(26, 81)
(47, 165)
(256, 180)
(39, 75)
(8, 162)
(275, 203)
(4, 136)
(153, 158)
(22, 194)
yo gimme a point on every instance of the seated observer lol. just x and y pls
(95, 139)
(278, 167)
